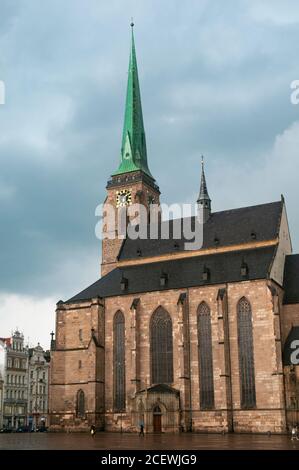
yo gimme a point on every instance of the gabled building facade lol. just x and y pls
(2, 378)
(179, 339)
(15, 394)
(38, 387)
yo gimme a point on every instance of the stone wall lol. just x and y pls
(78, 363)
(93, 346)
(269, 414)
(291, 318)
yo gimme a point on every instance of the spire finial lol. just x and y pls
(203, 199)
(132, 23)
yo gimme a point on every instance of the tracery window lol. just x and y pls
(205, 357)
(119, 361)
(80, 404)
(161, 347)
(246, 354)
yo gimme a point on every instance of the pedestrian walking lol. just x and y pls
(294, 433)
(93, 430)
(141, 428)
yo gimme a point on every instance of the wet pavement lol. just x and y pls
(114, 441)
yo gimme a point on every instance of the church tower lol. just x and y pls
(132, 182)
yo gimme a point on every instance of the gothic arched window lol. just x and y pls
(161, 347)
(80, 404)
(205, 357)
(246, 356)
(119, 362)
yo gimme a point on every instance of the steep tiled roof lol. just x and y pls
(225, 228)
(182, 273)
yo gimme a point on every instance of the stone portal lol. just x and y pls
(158, 407)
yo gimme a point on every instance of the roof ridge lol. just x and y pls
(213, 213)
(249, 207)
(218, 253)
(227, 210)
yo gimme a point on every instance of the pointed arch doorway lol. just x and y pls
(157, 419)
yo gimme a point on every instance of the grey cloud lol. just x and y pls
(214, 79)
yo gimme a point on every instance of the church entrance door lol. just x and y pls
(157, 420)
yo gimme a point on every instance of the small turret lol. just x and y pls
(204, 201)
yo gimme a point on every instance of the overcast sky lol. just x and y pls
(215, 79)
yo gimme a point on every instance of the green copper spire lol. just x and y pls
(133, 149)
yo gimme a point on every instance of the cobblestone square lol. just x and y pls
(126, 441)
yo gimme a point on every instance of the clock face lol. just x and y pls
(123, 198)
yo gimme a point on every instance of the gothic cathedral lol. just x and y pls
(181, 340)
